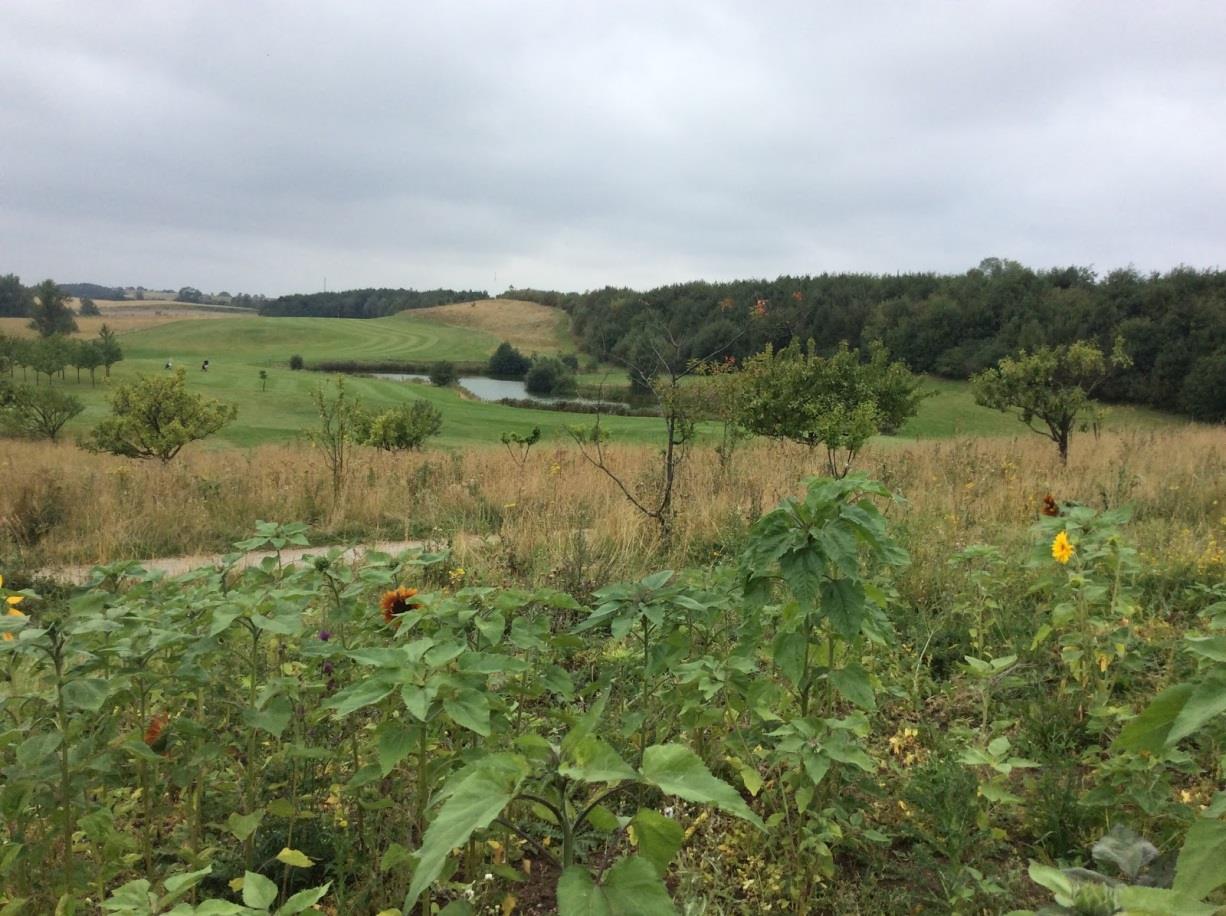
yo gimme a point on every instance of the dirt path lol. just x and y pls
(175, 566)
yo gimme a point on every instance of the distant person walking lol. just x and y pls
(169, 364)
(204, 366)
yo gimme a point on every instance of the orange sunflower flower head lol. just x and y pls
(1050, 508)
(398, 601)
(155, 733)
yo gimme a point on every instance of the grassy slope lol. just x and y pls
(239, 347)
(530, 326)
(952, 411)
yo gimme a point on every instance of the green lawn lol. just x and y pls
(238, 348)
(271, 342)
(952, 411)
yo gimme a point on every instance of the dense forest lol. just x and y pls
(1173, 324)
(92, 291)
(363, 303)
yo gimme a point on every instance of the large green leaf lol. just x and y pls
(471, 709)
(1202, 860)
(37, 750)
(677, 770)
(302, 900)
(631, 888)
(258, 892)
(802, 570)
(1208, 700)
(363, 693)
(272, 718)
(474, 803)
(658, 837)
(594, 760)
(1149, 730)
(85, 693)
(843, 602)
(854, 685)
(1157, 901)
(395, 743)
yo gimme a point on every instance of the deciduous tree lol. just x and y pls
(40, 411)
(406, 427)
(838, 402)
(50, 313)
(1050, 388)
(108, 346)
(155, 416)
(15, 299)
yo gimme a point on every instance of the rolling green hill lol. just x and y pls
(239, 348)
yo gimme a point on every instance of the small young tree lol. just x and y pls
(507, 362)
(518, 446)
(263, 380)
(660, 366)
(549, 376)
(443, 374)
(155, 416)
(89, 308)
(838, 402)
(406, 427)
(39, 412)
(50, 355)
(108, 345)
(1051, 386)
(51, 314)
(341, 423)
(86, 355)
(296, 362)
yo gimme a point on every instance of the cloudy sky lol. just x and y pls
(264, 146)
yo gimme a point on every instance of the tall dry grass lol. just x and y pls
(563, 521)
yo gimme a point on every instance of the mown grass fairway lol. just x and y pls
(238, 348)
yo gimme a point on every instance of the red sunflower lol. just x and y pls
(397, 602)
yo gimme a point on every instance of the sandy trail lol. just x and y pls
(176, 566)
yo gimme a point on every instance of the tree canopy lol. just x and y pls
(838, 402)
(50, 313)
(15, 299)
(155, 416)
(1049, 388)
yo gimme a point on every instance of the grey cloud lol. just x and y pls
(259, 146)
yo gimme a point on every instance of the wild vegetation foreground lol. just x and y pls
(910, 695)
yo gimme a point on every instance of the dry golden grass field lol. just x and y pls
(61, 505)
(122, 317)
(530, 326)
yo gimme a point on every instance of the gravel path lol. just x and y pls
(175, 566)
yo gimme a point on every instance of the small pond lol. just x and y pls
(489, 389)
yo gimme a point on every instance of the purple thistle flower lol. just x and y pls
(325, 635)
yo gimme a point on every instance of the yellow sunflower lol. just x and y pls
(11, 610)
(1062, 548)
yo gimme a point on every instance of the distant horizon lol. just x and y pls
(1097, 273)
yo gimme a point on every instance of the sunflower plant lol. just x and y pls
(1090, 573)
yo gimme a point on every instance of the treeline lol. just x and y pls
(92, 291)
(1174, 324)
(363, 303)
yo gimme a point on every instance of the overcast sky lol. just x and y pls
(264, 146)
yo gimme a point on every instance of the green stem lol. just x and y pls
(65, 772)
(146, 801)
(249, 771)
